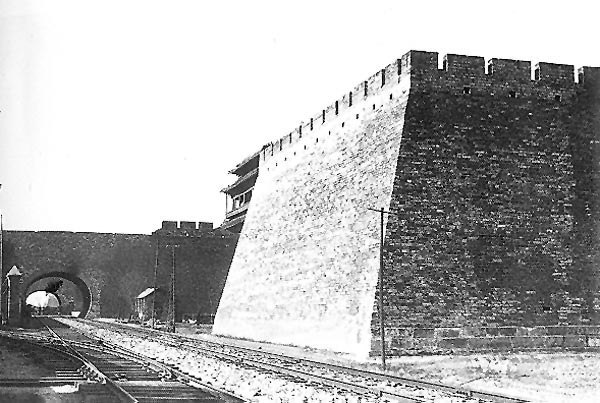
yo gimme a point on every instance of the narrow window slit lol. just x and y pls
(490, 67)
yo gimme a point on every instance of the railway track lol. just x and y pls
(104, 372)
(358, 381)
(62, 370)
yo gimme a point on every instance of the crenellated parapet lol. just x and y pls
(419, 71)
(499, 77)
(387, 84)
(184, 228)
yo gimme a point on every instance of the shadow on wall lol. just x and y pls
(128, 269)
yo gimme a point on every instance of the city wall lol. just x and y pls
(118, 267)
(201, 257)
(491, 173)
(113, 266)
(306, 262)
(495, 234)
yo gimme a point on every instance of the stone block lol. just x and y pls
(453, 343)
(447, 333)
(575, 341)
(424, 333)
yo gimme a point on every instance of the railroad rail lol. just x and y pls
(107, 372)
(360, 381)
(62, 369)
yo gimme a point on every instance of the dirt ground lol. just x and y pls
(14, 364)
(539, 377)
(37, 395)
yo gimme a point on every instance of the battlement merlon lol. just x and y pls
(589, 77)
(510, 70)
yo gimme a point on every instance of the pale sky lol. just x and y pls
(118, 114)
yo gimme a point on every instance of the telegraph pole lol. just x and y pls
(381, 289)
(173, 287)
(155, 273)
(2, 318)
(381, 311)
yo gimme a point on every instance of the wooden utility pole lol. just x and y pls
(381, 289)
(2, 318)
(155, 274)
(173, 288)
(381, 311)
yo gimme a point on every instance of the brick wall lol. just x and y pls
(306, 264)
(585, 144)
(491, 190)
(202, 261)
(118, 267)
(495, 177)
(112, 265)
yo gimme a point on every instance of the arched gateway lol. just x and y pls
(86, 293)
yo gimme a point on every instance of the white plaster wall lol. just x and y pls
(306, 265)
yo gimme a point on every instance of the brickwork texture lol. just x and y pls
(118, 267)
(492, 179)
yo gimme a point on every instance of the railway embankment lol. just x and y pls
(536, 375)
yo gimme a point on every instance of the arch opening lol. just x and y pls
(74, 296)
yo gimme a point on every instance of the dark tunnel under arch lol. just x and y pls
(79, 283)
